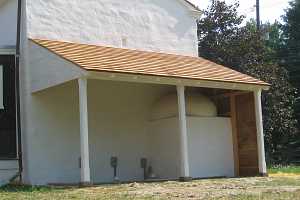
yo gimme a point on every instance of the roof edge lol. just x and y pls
(193, 9)
(191, 5)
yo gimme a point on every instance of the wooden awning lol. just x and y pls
(119, 60)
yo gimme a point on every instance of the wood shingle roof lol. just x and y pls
(118, 60)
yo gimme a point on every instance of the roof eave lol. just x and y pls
(153, 79)
(191, 5)
(196, 14)
(194, 10)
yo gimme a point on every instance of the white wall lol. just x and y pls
(164, 148)
(50, 124)
(209, 142)
(166, 26)
(118, 117)
(47, 69)
(8, 23)
(39, 70)
(210, 147)
(51, 136)
(118, 126)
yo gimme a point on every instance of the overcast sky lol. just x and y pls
(270, 9)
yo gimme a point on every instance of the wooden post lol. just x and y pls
(235, 141)
(260, 134)
(185, 171)
(84, 132)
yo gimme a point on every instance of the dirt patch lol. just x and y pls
(207, 189)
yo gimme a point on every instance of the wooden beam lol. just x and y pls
(234, 135)
(230, 94)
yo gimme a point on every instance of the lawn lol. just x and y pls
(265, 188)
(284, 170)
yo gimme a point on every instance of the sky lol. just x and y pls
(271, 10)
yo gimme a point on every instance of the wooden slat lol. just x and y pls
(246, 128)
(234, 135)
(229, 94)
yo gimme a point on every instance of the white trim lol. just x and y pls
(184, 157)
(194, 11)
(196, 14)
(84, 131)
(7, 51)
(260, 133)
(174, 81)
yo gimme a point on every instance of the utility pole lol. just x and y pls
(257, 15)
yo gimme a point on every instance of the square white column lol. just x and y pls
(184, 158)
(84, 132)
(260, 133)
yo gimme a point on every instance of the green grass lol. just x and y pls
(284, 169)
(264, 188)
(266, 196)
(66, 193)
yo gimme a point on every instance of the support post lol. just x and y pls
(260, 134)
(84, 132)
(185, 171)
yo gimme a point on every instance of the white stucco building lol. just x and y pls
(115, 89)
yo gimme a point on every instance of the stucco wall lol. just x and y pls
(164, 148)
(210, 147)
(118, 112)
(209, 142)
(51, 136)
(118, 116)
(8, 23)
(166, 26)
(50, 124)
(48, 69)
(118, 126)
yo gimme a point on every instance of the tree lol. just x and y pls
(224, 39)
(217, 31)
(290, 50)
(290, 56)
